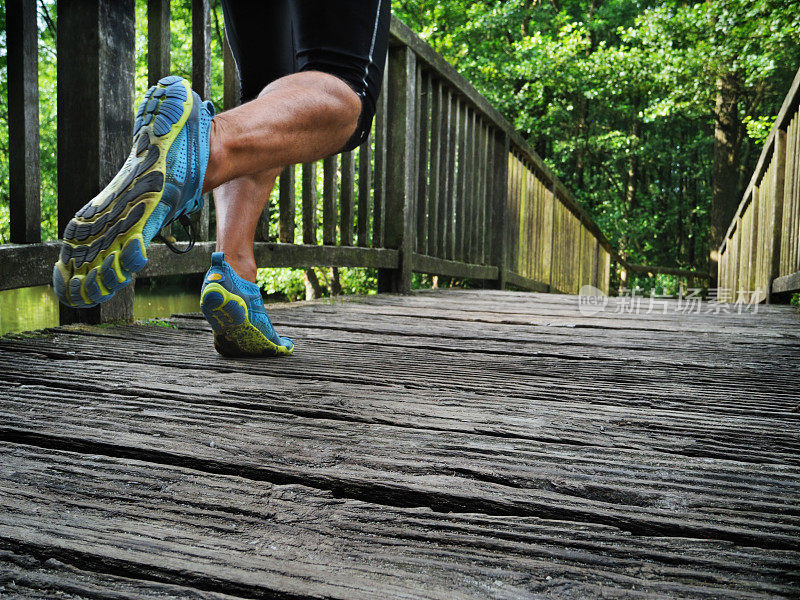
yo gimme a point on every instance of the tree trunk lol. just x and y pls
(313, 290)
(336, 285)
(724, 183)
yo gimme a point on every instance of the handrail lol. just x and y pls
(760, 253)
(444, 185)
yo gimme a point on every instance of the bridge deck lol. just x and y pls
(451, 444)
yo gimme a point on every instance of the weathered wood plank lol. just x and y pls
(462, 472)
(252, 538)
(25, 576)
(451, 268)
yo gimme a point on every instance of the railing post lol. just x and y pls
(400, 169)
(23, 121)
(779, 177)
(201, 83)
(158, 40)
(501, 147)
(95, 116)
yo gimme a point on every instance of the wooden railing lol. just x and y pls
(760, 255)
(443, 186)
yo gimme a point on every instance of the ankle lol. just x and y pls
(244, 265)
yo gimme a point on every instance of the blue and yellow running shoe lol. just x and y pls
(161, 181)
(234, 308)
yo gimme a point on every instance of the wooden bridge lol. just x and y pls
(435, 444)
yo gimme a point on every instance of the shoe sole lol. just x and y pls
(103, 243)
(234, 334)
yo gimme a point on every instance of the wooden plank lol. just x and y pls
(25, 575)
(310, 543)
(275, 446)
(286, 205)
(329, 168)
(347, 199)
(451, 268)
(786, 283)
(39, 259)
(364, 188)
(399, 227)
(526, 283)
(158, 40)
(22, 45)
(423, 145)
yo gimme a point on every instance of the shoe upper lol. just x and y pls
(186, 164)
(223, 274)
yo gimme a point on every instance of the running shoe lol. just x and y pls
(235, 310)
(160, 182)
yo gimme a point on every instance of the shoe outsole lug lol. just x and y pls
(103, 244)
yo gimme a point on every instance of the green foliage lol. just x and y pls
(617, 97)
(796, 300)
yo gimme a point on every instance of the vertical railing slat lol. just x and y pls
(286, 205)
(436, 154)
(445, 158)
(423, 120)
(346, 197)
(329, 172)
(309, 202)
(94, 137)
(364, 187)
(483, 151)
(379, 185)
(471, 221)
(158, 40)
(451, 177)
(23, 121)
(400, 185)
(201, 83)
(460, 201)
